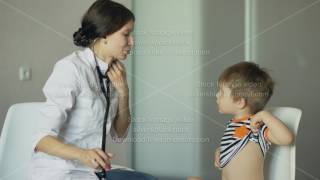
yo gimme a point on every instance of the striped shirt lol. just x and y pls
(237, 134)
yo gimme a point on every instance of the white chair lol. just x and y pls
(281, 160)
(16, 140)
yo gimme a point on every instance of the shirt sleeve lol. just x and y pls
(60, 92)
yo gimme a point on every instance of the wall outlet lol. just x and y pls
(24, 73)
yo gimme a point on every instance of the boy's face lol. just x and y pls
(225, 101)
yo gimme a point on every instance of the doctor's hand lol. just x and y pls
(117, 75)
(96, 158)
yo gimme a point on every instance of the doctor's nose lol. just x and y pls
(131, 41)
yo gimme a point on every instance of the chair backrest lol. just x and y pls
(281, 160)
(16, 140)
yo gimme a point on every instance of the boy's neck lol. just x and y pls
(242, 113)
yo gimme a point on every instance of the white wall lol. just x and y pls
(35, 34)
(159, 98)
(172, 86)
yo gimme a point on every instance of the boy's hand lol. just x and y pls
(217, 158)
(257, 121)
(278, 132)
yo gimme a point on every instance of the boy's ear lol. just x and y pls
(241, 103)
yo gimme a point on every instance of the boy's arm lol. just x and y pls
(217, 158)
(278, 132)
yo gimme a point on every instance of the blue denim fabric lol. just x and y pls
(119, 174)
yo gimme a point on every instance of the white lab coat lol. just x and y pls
(74, 112)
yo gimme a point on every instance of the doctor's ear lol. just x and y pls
(105, 39)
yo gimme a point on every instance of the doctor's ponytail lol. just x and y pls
(82, 38)
(103, 18)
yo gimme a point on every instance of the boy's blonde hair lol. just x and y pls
(247, 80)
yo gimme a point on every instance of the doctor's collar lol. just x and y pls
(102, 65)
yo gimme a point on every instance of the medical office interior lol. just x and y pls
(181, 47)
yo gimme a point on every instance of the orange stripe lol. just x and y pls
(241, 132)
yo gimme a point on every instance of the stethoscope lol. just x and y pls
(101, 173)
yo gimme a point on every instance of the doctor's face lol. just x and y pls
(120, 43)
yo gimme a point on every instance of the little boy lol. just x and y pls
(244, 90)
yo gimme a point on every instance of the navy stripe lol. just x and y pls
(230, 146)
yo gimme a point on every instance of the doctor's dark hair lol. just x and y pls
(103, 18)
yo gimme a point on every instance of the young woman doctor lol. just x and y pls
(80, 102)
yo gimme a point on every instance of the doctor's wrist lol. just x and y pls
(79, 154)
(124, 95)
